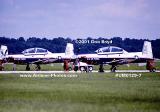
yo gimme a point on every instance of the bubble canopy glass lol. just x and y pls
(110, 49)
(35, 50)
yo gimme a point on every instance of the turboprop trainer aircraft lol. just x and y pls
(117, 56)
(37, 56)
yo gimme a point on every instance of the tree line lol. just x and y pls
(57, 45)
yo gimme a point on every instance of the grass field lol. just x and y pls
(93, 92)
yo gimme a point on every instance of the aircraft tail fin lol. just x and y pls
(147, 49)
(69, 50)
(3, 51)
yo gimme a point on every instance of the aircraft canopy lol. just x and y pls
(35, 51)
(110, 49)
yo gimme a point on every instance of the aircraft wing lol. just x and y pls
(44, 61)
(119, 61)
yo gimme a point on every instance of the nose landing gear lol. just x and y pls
(38, 67)
(101, 69)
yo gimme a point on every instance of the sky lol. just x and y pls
(80, 18)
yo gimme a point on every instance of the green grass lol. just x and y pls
(94, 92)
(48, 67)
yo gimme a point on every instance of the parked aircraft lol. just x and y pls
(117, 56)
(37, 56)
(111, 55)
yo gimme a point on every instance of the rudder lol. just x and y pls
(69, 50)
(147, 50)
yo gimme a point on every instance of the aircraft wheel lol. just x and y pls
(90, 68)
(113, 69)
(101, 69)
(153, 70)
(76, 68)
(70, 68)
(82, 68)
(27, 67)
(38, 67)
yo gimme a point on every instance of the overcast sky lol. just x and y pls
(80, 18)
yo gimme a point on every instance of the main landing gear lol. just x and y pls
(27, 67)
(38, 67)
(113, 68)
(101, 69)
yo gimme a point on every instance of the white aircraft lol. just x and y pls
(107, 55)
(117, 56)
(37, 56)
